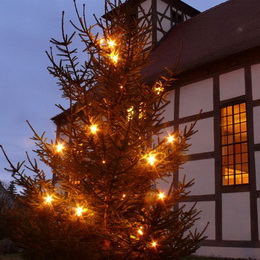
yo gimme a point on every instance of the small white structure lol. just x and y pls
(218, 70)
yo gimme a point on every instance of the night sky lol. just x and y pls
(27, 91)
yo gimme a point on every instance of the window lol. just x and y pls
(177, 16)
(234, 145)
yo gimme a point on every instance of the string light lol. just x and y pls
(154, 244)
(93, 129)
(103, 161)
(124, 195)
(161, 196)
(140, 231)
(151, 159)
(59, 147)
(130, 112)
(48, 199)
(79, 211)
(111, 43)
(158, 88)
(170, 139)
(114, 57)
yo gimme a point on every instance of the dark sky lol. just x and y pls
(27, 91)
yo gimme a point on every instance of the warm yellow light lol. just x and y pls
(158, 88)
(140, 231)
(93, 129)
(79, 211)
(124, 195)
(151, 159)
(130, 113)
(170, 139)
(154, 244)
(103, 161)
(48, 199)
(161, 196)
(59, 147)
(114, 57)
(111, 43)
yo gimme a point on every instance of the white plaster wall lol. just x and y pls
(258, 212)
(203, 173)
(255, 70)
(195, 97)
(161, 7)
(230, 252)
(257, 168)
(236, 216)
(232, 84)
(256, 111)
(206, 216)
(203, 140)
(169, 110)
(146, 6)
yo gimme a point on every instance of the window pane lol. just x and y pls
(237, 128)
(230, 120)
(224, 150)
(239, 179)
(238, 148)
(243, 127)
(236, 109)
(223, 112)
(237, 138)
(245, 178)
(243, 117)
(242, 107)
(244, 157)
(238, 158)
(224, 121)
(229, 110)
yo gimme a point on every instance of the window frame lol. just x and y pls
(234, 186)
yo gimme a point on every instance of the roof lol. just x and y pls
(227, 29)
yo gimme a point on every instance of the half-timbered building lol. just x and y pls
(216, 55)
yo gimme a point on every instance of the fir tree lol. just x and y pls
(107, 203)
(12, 189)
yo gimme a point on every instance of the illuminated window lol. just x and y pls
(234, 145)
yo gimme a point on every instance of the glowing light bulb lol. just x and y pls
(111, 43)
(59, 147)
(103, 161)
(114, 57)
(151, 159)
(130, 113)
(93, 129)
(124, 195)
(158, 88)
(161, 196)
(154, 244)
(140, 231)
(79, 211)
(170, 139)
(48, 199)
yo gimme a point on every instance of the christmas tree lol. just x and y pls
(111, 156)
